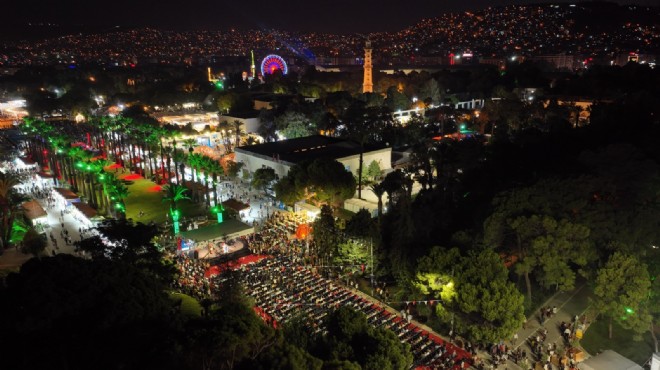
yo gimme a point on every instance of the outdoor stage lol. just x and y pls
(209, 241)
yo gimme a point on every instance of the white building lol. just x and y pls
(282, 155)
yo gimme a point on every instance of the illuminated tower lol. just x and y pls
(368, 85)
(253, 71)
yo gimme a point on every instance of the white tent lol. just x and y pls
(608, 360)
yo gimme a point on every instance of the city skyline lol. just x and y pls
(340, 16)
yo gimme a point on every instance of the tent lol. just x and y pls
(35, 212)
(608, 360)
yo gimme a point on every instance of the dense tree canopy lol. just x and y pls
(323, 179)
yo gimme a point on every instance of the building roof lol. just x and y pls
(66, 193)
(33, 210)
(229, 227)
(608, 360)
(85, 209)
(307, 148)
(235, 205)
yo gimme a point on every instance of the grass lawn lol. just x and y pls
(144, 195)
(189, 305)
(596, 339)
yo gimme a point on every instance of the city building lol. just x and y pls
(282, 155)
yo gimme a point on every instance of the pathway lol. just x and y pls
(569, 305)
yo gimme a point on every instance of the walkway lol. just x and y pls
(569, 305)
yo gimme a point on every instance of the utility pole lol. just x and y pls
(371, 243)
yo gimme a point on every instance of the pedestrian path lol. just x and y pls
(569, 305)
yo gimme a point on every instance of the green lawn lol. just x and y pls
(144, 195)
(189, 305)
(596, 339)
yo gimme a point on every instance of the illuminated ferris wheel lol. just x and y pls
(272, 63)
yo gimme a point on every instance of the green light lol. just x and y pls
(101, 177)
(220, 219)
(79, 165)
(219, 85)
(629, 310)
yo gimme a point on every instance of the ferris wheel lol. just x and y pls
(272, 63)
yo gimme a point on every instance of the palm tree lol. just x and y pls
(175, 193)
(99, 172)
(223, 128)
(194, 161)
(379, 190)
(119, 192)
(179, 166)
(190, 144)
(216, 169)
(207, 168)
(239, 132)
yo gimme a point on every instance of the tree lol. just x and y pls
(10, 200)
(263, 177)
(330, 180)
(351, 338)
(174, 193)
(294, 125)
(76, 312)
(233, 168)
(379, 191)
(436, 275)
(132, 243)
(33, 243)
(352, 252)
(267, 127)
(373, 171)
(361, 225)
(325, 233)
(238, 131)
(396, 100)
(325, 179)
(547, 248)
(491, 307)
(230, 335)
(622, 285)
(226, 101)
(431, 91)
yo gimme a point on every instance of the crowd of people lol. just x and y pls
(283, 289)
(286, 285)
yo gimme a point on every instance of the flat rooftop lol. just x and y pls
(307, 148)
(229, 227)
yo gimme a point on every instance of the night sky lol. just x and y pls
(338, 16)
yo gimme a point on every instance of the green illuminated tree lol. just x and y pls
(435, 277)
(174, 193)
(622, 286)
